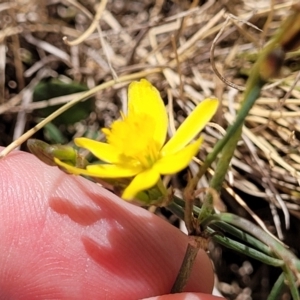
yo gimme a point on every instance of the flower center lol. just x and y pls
(133, 137)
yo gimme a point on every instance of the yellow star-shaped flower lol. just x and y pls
(136, 144)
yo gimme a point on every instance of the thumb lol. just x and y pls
(64, 237)
(186, 296)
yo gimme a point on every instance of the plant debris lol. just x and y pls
(189, 50)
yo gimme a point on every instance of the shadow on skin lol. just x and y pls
(75, 239)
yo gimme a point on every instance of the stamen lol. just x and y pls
(133, 136)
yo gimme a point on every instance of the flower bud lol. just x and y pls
(271, 65)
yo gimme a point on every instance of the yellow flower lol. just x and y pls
(136, 144)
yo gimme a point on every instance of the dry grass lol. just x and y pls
(171, 42)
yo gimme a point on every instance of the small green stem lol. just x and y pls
(277, 288)
(162, 188)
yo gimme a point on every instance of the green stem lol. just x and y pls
(277, 288)
(279, 250)
(258, 250)
(250, 99)
(292, 282)
(228, 144)
(177, 207)
(267, 65)
(246, 250)
(161, 187)
(245, 237)
(220, 173)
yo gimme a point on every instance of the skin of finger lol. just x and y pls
(186, 296)
(64, 237)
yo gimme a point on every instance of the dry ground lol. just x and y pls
(185, 48)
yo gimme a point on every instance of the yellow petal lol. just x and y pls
(174, 163)
(101, 171)
(144, 98)
(113, 171)
(71, 169)
(141, 182)
(103, 151)
(193, 124)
